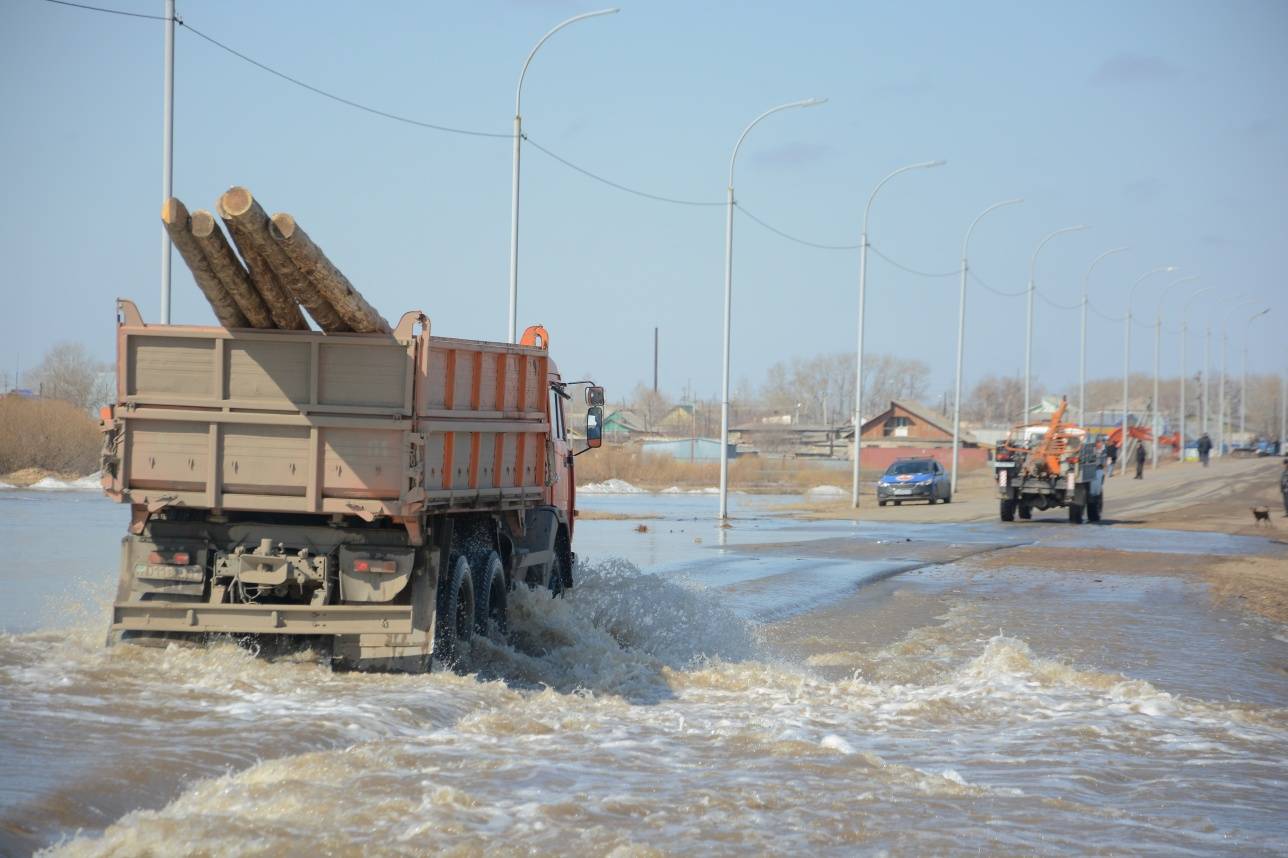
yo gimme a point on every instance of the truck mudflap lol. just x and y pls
(204, 618)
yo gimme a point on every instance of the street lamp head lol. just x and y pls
(518, 92)
(733, 159)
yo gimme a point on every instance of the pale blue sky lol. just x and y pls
(1162, 125)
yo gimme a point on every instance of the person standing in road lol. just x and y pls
(1205, 449)
(1283, 486)
(1140, 461)
(1111, 452)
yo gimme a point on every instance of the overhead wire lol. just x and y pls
(598, 178)
(776, 231)
(1054, 303)
(107, 11)
(1004, 293)
(407, 120)
(911, 270)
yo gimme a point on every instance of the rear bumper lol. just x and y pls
(201, 618)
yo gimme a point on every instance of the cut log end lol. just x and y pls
(173, 212)
(235, 201)
(284, 225)
(203, 223)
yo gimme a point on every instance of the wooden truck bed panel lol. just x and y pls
(299, 421)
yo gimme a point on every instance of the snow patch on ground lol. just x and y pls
(610, 487)
(676, 490)
(826, 492)
(90, 483)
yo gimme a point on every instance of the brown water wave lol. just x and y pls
(634, 717)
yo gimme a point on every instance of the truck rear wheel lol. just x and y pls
(489, 595)
(1026, 511)
(555, 576)
(455, 613)
(1075, 513)
(1008, 509)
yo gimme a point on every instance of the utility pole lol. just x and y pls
(655, 360)
(167, 155)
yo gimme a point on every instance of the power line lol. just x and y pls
(1055, 303)
(109, 11)
(620, 187)
(338, 98)
(994, 290)
(1103, 315)
(900, 265)
(791, 237)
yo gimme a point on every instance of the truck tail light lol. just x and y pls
(385, 566)
(178, 558)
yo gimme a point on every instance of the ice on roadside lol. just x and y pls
(89, 483)
(610, 487)
(825, 492)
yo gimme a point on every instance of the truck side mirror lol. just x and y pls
(595, 426)
(594, 395)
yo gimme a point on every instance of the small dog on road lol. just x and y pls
(1261, 515)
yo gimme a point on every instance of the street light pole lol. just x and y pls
(167, 155)
(863, 287)
(1082, 351)
(1028, 327)
(1185, 382)
(512, 326)
(728, 300)
(1122, 442)
(1158, 339)
(1207, 387)
(1243, 381)
(961, 336)
(1240, 301)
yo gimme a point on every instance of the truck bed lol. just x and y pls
(306, 422)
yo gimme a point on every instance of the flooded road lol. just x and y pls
(780, 687)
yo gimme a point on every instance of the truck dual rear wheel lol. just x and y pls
(1026, 511)
(490, 598)
(1007, 508)
(455, 612)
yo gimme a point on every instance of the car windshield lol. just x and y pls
(919, 466)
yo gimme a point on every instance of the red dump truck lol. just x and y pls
(375, 495)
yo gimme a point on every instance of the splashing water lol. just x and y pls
(635, 715)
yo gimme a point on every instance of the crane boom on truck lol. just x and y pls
(1043, 467)
(376, 493)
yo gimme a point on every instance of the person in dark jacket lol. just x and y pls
(1283, 486)
(1140, 461)
(1111, 453)
(1205, 449)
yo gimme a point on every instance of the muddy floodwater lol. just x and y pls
(780, 687)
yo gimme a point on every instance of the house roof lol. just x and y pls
(623, 420)
(922, 413)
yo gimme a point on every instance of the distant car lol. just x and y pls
(914, 479)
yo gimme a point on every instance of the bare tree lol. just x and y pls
(650, 405)
(823, 385)
(67, 372)
(995, 400)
